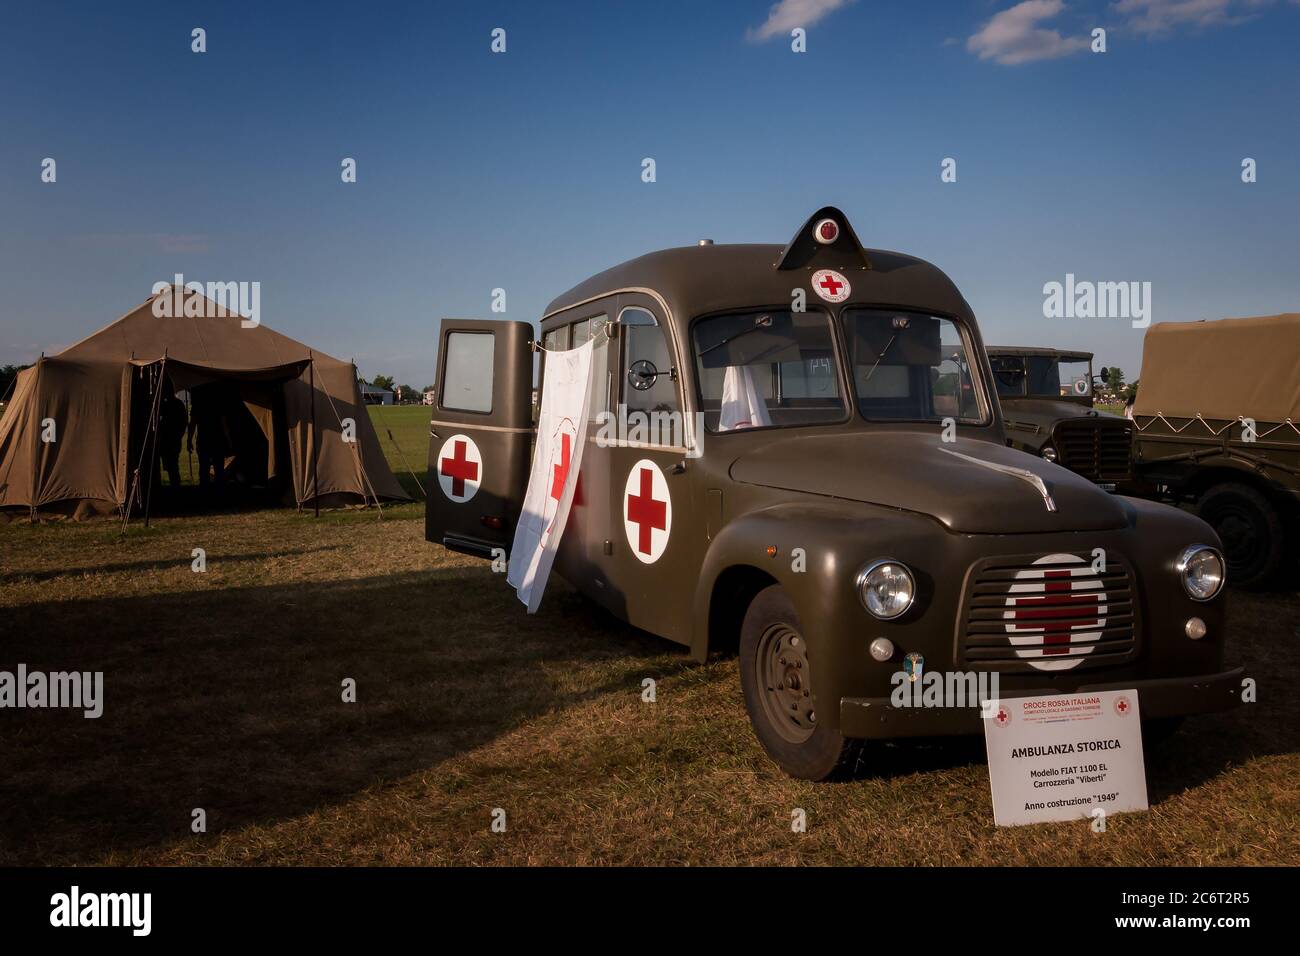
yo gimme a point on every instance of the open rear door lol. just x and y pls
(480, 434)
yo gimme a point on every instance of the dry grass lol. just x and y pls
(223, 692)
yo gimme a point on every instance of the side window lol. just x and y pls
(467, 376)
(646, 369)
(557, 339)
(581, 332)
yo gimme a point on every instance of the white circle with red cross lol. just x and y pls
(647, 511)
(1056, 612)
(460, 468)
(830, 285)
(1122, 706)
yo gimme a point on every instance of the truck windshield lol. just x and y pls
(910, 367)
(767, 368)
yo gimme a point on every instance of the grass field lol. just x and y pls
(223, 692)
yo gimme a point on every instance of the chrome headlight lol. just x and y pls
(886, 588)
(1202, 571)
(1049, 453)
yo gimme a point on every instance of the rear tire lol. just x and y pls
(1251, 531)
(775, 675)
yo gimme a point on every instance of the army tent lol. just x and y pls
(76, 435)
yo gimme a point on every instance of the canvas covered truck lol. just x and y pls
(1047, 410)
(841, 509)
(1217, 422)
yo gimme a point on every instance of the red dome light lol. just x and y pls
(826, 231)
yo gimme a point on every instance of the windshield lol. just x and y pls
(1008, 375)
(767, 368)
(910, 367)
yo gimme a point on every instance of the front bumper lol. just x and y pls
(876, 718)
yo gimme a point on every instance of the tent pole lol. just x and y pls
(153, 436)
(315, 439)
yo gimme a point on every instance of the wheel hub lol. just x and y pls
(783, 679)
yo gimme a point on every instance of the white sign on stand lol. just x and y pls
(1062, 756)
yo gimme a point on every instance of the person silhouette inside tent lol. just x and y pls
(171, 434)
(209, 434)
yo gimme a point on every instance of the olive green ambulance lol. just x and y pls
(839, 505)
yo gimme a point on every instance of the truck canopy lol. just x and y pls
(1221, 370)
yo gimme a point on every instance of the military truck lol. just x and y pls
(1047, 409)
(864, 519)
(1216, 419)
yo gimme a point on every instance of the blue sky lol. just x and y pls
(522, 170)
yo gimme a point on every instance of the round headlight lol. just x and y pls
(886, 588)
(1049, 453)
(1201, 568)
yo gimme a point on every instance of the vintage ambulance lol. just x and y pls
(841, 505)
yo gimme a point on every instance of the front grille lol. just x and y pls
(1098, 449)
(1051, 612)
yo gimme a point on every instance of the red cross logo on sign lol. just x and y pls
(647, 511)
(1002, 717)
(460, 468)
(1055, 611)
(830, 285)
(1122, 706)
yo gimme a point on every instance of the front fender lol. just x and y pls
(836, 539)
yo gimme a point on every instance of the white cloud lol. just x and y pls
(788, 14)
(1160, 16)
(1014, 36)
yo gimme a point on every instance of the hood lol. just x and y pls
(951, 481)
(1046, 412)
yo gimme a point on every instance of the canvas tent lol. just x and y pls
(1222, 370)
(98, 401)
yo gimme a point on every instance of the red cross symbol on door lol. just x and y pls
(831, 284)
(1059, 608)
(646, 512)
(459, 469)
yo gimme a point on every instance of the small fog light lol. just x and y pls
(1195, 628)
(882, 648)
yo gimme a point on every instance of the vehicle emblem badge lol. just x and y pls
(913, 666)
(830, 285)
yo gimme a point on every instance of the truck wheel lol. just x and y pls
(1250, 529)
(776, 679)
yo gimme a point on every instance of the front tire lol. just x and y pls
(775, 675)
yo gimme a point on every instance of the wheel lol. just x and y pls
(1157, 730)
(777, 682)
(1250, 529)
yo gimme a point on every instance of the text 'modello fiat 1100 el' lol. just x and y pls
(847, 507)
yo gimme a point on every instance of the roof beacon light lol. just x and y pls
(826, 231)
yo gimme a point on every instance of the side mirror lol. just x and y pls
(642, 374)
(1105, 373)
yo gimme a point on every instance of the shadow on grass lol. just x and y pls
(158, 565)
(231, 700)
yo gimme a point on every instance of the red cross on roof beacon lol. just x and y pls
(826, 231)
